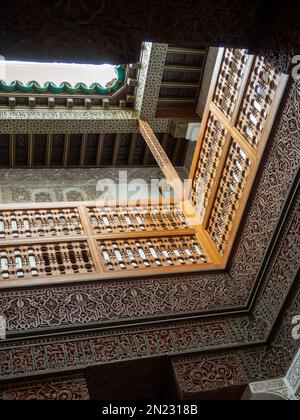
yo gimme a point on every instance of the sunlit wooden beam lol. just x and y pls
(162, 159)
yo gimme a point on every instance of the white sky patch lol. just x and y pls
(57, 72)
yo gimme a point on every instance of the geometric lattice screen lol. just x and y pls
(243, 100)
(57, 243)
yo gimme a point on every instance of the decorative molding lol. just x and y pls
(210, 373)
(91, 304)
(55, 121)
(215, 371)
(67, 121)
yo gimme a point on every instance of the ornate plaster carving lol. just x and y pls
(26, 357)
(197, 293)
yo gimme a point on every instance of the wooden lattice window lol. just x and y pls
(243, 101)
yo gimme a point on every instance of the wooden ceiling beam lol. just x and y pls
(132, 149)
(49, 150)
(177, 100)
(176, 151)
(179, 85)
(83, 149)
(66, 150)
(146, 156)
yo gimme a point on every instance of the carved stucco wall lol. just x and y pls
(286, 388)
(64, 185)
(93, 305)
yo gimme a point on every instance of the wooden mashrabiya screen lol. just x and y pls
(243, 101)
(83, 241)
